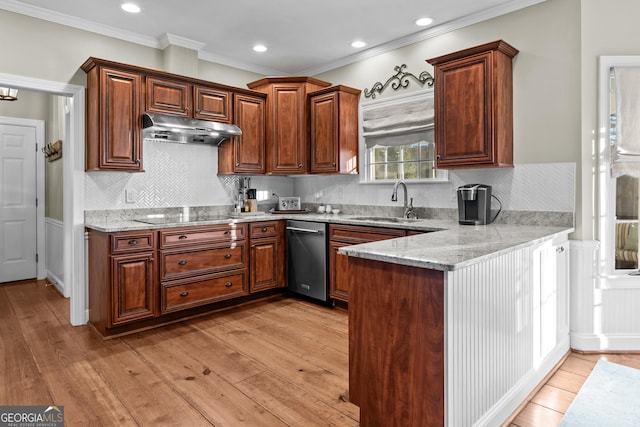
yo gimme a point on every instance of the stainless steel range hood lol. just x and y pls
(165, 128)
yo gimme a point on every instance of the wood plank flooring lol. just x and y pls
(551, 402)
(275, 363)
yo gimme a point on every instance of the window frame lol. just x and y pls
(442, 175)
(608, 276)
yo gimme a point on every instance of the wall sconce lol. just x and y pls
(8, 94)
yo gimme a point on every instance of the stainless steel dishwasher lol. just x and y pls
(307, 247)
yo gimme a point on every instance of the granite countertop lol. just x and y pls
(445, 245)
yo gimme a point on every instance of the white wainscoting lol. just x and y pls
(54, 262)
(603, 318)
(506, 328)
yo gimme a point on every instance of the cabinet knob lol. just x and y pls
(300, 166)
(226, 233)
(227, 256)
(560, 249)
(264, 229)
(133, 242)
(182, 237)
(184, 294)
(182, 262)
(237, 165)
(138, 162)
(228, 284)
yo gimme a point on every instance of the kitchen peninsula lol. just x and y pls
(456, 327)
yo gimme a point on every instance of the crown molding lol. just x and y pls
(81, 24)
(167, 39)
(432, 32)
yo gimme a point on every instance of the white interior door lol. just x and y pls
(18, 244)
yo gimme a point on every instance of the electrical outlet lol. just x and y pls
(130, 195)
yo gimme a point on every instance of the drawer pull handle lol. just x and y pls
(182, 237)
(182, 262)
(133, 242)
(228, 284)
(264, 229)
(184, 293)
(227, 256)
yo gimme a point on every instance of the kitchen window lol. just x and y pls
(619, 171)
(398, 139)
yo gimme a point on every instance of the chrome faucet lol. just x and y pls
(409, 211)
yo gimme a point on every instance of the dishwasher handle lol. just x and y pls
(304, 230)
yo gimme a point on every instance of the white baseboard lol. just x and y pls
(510, 402)
(605, 342)
(54, 259)
(59, 284)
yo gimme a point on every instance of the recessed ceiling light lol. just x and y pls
(130, 7)
(260, 48)
(423, 22)
(358, 44)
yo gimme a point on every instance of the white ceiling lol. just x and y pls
(304, 37)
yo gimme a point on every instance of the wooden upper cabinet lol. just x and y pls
(287, 138)
(474, 107)
(212, 104)
(168, 97)
(334, 130)
(245, 154)
(114, 124)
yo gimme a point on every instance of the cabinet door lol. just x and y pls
(338, 266)
(212, 104)
(133, 293)
(120, 145)
(324, 133)
(168, 97)
(463, 120)
(266, 264)
(245, 153)
(288, 139)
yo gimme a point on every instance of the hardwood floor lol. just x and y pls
(277, 363)
(551, 402)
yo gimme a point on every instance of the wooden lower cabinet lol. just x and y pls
(182, 294)
(345, 235)
(133, 288)
(267, 255)
(135, 284)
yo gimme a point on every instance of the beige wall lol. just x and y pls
(50, 51)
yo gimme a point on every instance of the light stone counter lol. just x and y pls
(455, 246)
(445, 245)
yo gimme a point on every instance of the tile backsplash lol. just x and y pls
(186, 175)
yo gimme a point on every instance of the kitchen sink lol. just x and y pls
(384, 219)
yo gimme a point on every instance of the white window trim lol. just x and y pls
(608, 276)
(442, 175)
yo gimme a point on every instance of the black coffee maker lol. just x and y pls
(474, 204)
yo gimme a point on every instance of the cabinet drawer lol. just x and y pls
(198, 235)
(175, 264)
(264, 229)
(211, 288)
(361, 234)
(132, 241)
